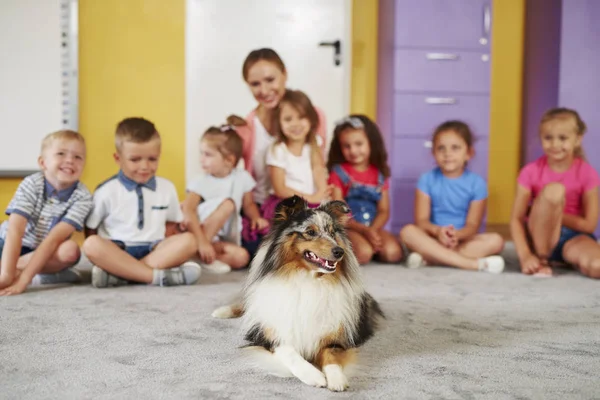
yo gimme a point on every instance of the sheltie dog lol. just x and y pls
(305, 310)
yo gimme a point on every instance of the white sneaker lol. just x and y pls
(492, 264)
(415, 260)
(187, 273)
(216, 267)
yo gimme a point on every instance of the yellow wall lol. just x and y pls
(131, 60)
(363, 86)
(505, 106)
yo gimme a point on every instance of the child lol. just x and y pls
(131, 210)
(556, 204)
(212, 206)
(294, 160)
(46, 209)
(359, 175)
(449, 206)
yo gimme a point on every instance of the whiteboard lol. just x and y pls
(38, 78)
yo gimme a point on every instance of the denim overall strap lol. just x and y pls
(342, 174)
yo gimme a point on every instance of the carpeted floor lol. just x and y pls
(451, 335)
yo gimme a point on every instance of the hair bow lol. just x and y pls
(355, 122)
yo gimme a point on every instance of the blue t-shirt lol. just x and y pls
(451, 197)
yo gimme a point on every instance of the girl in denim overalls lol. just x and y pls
(359, 175)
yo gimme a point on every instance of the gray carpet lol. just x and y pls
(451, 335)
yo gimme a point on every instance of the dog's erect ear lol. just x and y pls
(288, 207)
(338, 210)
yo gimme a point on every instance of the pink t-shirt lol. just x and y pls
(578, 179)
(368, 177)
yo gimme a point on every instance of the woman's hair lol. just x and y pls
(561, 113)
(301, 103)
(257, 55)
(225, 140)
(378, 156)
(458, 127)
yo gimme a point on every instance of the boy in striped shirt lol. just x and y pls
(46, 209)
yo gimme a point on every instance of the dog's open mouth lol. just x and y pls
(325, 265)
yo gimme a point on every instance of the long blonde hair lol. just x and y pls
(562, 113)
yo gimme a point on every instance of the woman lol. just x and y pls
(266, 76)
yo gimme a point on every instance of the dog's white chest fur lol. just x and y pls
(301, 311)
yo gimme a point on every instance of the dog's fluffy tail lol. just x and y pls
(234, 310)
(262, 358)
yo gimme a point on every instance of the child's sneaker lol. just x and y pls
(67, 275)
(102, 279)
(492, 264)
(187, 273)
(415, 260)
(216, 267)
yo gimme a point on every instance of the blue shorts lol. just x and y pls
(566, 234)
(138, 251)
(24, 249)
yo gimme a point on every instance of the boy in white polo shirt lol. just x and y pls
(126, 229)
(46, 209)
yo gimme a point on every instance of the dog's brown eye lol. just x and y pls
(311, 232)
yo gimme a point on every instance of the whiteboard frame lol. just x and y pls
(69, 49)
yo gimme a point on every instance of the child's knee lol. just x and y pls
(496, 243)
(408, 231)
(590, 268)
(228, 205)
(391, 253)
(68, 252)
(241, 258)
(91, 246)
(364, 253)
(554, 193)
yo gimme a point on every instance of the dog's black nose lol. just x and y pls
(338, 252)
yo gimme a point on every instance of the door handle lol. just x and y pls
(440, 100)
(442, 56)
(337, 50)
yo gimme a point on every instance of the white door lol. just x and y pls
(221, 33)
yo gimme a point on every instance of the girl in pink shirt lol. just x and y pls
(266, 76)
(556, 206)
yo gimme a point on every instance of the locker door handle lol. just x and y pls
(440, 100)
(442, 56)
(487, 22)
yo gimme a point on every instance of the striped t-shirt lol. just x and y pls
(44, 207)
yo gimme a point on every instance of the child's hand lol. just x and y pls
(17, 287)
(206, 251)
(447, 236)
(183, 225)
(531, 264)
(374, 238)
(259, 224)
(329, 191)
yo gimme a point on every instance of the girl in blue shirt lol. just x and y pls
(449, 207)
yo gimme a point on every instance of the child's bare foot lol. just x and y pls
(544, 271)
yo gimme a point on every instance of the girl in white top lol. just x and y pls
(214, 200)
(294, 161)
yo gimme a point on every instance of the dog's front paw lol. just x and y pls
(230, 311)
(336, 380)
(312, 376)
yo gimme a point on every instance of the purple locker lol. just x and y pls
(441, 71)
(452, 24)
